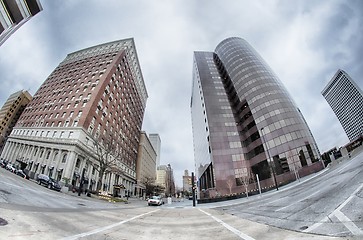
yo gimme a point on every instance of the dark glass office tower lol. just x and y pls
(245, 123)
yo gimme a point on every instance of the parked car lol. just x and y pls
(49, 182)
(155, 200)
(22, 174)
(10, 167)
(3, 163)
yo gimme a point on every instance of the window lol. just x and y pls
(78, 163)
(48, 155)
(64, 159)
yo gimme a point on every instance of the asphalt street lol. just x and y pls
(325, 205)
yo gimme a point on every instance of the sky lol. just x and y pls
(304, 42)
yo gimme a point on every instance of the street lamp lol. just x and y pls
(269, 159)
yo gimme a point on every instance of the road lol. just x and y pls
(327, 203)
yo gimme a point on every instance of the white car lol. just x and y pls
(10, 167)
(155, 200)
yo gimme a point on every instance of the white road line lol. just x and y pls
(279, 209)
(348, 223)
(341, 217)
(229, 227)
(350, 197)
(316, 225)
(95, 231)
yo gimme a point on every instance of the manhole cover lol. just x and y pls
(3, 222)
(304, 227)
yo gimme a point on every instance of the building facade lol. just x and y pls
(146, 164)
(346, 99)
(165, 178)
(14, 13)
(10, 113)
(187, 182)
(244, 122)
(95, 97)
(156, 142)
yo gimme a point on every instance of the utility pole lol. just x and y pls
(193, 189)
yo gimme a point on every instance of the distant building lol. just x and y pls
(245, 123)
(10, 113)
(95, 97)
(346, 99)
(161, 176)
(165, 178)
(14, 13)
(156, 142)
(145, 165)
(187, 182)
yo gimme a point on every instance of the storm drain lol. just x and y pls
(304, 227)
(3, 222)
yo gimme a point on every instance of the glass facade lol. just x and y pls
(346, 99)
(244, 121)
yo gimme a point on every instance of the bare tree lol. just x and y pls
(151, 188)
(107, 155)
(230, 182)
(246, 178)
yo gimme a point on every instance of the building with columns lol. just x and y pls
(93, 95)
(10, 113)
(14, 13)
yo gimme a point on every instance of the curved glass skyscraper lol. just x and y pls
(245, 123)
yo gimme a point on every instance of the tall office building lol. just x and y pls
(244, 122)
(156, 142)
(10, 113)
(14, 13)
(95, 95)
(146, 164)
(346, 99)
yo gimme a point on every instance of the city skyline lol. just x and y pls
(299, 41)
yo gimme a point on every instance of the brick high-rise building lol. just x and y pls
(14, 13)
(10, 113)
(94, 94)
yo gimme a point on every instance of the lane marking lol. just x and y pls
(341, 217)
(95, 231)
(307, 197)
(348, 223)
(229, 227)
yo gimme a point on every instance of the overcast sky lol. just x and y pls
(304, 42)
